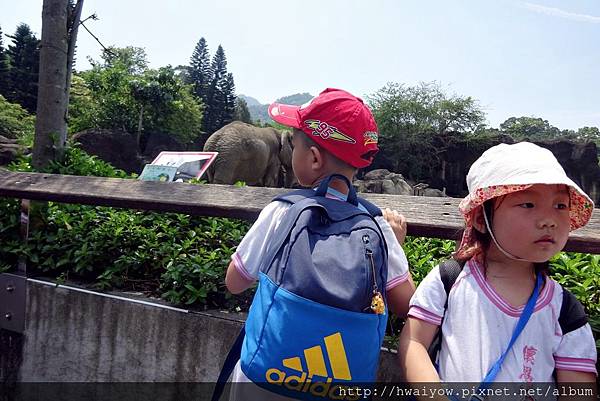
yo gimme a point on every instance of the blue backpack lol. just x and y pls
(314, 326)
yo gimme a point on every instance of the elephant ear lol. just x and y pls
(285, 152)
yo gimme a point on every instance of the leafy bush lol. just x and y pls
(180, 257)
(16, 122)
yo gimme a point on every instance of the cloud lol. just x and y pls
(557, 12)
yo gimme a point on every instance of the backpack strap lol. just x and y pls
(371, 208)
(299, 194)
(449, 271)
(295, 196)
(572, 314)
(232, 357)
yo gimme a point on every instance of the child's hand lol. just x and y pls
(398, 223)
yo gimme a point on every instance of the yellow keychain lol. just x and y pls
(377, 303)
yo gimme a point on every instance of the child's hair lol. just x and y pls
(479, 244)
(308, 142)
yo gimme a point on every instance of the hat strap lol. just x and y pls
(489, 228)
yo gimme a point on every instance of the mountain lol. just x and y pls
(250, 101)
(259, 111)
(297, 99)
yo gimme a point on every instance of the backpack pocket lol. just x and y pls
(301, 348)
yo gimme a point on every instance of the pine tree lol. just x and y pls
(241, 111)
(199, 72)
(227, 91)
(4, 69)
(24, 66)
(215, 101)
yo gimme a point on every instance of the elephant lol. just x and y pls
(254, 155)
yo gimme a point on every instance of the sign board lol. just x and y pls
(187, 165)
(154, 172)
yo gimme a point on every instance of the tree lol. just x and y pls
(213, 85)
(60, 19)
(4, 69)
(51, 126)
(112, 96)
(215, 101)
(132, 59)
(589, 134)
(227, 91)
(154, 90)
(24, 67)
(529, 128)
(199, 70)
(73, 19)
(412, 120)
(241, 111)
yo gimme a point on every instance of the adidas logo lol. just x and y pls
(315, 366)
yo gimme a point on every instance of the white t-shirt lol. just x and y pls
(253, 246)
(479, 324)
(248, 257)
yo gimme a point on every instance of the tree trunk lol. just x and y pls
(51, 125)
(138, 136)
(72, 33)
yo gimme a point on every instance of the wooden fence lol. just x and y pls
(428, 217)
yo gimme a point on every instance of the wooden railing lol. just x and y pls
(428, 217)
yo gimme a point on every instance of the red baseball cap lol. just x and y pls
(336, 120)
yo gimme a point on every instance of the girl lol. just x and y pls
(518, 214)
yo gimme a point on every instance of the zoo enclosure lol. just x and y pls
(428, 217)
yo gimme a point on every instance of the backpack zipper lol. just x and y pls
(377, 302)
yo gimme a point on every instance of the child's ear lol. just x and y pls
(478, 221)
(316, 158)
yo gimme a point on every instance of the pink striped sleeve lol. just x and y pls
(575, 364)
(425, 315)
(239, 266)
(396, 281)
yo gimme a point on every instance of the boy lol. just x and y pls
(335, 133)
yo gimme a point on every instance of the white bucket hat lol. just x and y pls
(503, 169)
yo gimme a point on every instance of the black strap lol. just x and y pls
(449, 271)
(232, 358)
(572, 314)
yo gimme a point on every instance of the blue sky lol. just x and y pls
(518, 58)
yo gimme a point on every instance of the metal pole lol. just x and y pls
(13, 294)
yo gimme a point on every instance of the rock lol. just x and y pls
(378, 174)
(433, 192)
(10, 151)
(116, 147)
(4, 139)
(157, 142)
(382, 181)
(580, 161)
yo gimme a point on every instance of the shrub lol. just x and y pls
(16, 122)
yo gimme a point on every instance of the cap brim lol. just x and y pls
(285, 114)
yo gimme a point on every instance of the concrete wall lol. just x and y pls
(75, 335)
